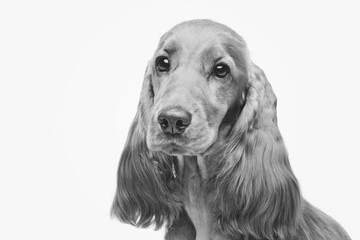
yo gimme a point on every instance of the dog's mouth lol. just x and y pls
(189, 143)
(173, 145)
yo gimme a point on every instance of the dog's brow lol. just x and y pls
(211, 54)
(171, 47)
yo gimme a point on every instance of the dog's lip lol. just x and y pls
(165, 142)
(174, 139)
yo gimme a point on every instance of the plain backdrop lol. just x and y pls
(71, 73)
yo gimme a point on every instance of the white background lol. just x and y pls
(71, 73)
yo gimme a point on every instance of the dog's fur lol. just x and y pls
(228, 175)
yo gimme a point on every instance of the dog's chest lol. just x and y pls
(192, 175)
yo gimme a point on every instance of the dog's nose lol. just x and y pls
(174, 121)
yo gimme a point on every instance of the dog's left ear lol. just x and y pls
(253, 190)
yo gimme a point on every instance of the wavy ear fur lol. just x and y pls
(144, 186)
(251, 185)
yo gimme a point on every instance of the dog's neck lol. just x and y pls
(193, 163)
(192, 175)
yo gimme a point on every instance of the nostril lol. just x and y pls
(163, 122)
(180, 124)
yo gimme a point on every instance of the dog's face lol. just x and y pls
(197, 76)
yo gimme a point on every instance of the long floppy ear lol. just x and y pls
(253, 190)
(144, 194)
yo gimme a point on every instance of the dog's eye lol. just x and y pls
(221, 70)
(162, 64)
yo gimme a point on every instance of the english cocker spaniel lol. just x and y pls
(204, 155)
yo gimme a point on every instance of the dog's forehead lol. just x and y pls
(192, 39)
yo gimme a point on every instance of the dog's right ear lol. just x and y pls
(143, 195)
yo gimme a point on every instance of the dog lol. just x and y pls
(204, 156)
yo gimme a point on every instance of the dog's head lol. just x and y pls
(202, 95)
(194, 84)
